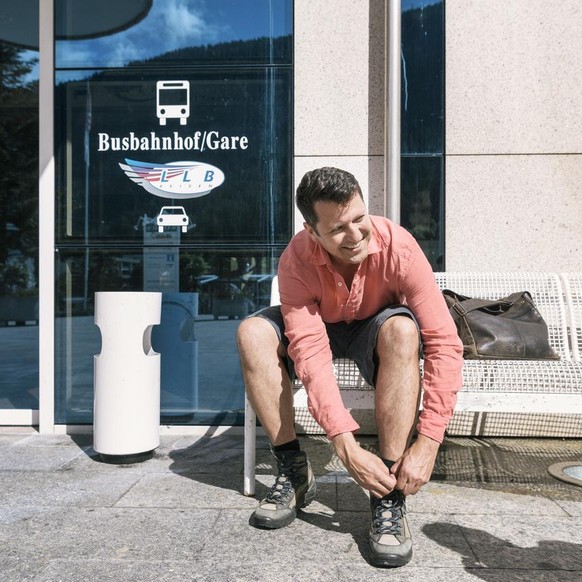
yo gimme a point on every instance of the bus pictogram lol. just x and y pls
(173, 101)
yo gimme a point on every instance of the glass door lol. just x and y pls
(173, 153)
(19, 159)
(423, 126)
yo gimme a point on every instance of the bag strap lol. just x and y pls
(461, 308)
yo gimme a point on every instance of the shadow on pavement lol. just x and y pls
(218, 462)
(484, 554)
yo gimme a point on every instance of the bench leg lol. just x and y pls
(250, 438)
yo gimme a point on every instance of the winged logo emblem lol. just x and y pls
(179, 180)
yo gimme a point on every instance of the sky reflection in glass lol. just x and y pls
(177, 24)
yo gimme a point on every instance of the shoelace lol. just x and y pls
(279, 492)
(387, 515)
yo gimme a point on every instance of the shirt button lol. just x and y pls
(339, 284)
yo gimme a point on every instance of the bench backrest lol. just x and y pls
(545, 288)
(573, 292)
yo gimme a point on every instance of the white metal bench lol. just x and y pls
(498, 397)
(573, 295)
(525, 397)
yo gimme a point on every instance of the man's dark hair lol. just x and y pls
(325, 185)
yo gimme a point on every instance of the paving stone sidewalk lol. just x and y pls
(492, 512)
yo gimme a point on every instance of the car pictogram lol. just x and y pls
(172, 216)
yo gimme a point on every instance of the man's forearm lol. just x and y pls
(427, 444)
(414, 468)
(344, 444)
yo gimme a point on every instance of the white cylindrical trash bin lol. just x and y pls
(126, 411)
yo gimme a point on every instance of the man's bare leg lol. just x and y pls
(397, 385)
(397, 399)
(269, 390)
(397, 402)
(266, 379)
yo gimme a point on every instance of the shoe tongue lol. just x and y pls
(386, 500)
(388, 540)
(286, 460)
(287, 454)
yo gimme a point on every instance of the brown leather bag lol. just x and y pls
(510, 328)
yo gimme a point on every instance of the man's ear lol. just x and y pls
(310, 230)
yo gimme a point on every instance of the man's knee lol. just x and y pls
(399, 334)
(256, 335)
(251, 330)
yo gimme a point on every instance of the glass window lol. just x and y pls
(173, 174)
(120, 136)
(19, 221)
(206, 292)
(422, 76)
(175, 32)
(422, 208)
(423, 125)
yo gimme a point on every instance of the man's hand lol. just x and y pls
(414, 468)
(366, 468)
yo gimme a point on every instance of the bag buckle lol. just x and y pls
(459, 309)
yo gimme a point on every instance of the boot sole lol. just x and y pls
(393, 561)
(269, 523)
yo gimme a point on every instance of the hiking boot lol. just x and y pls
(390, 540)
(294, 488)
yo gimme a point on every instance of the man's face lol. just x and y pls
(343, 231)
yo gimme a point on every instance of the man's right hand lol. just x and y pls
(366, 468)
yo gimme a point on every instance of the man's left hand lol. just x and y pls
(414, 468)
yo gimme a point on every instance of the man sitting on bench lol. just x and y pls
(353, 286)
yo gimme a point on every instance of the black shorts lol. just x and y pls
(355, 341)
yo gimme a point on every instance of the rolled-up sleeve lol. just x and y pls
(442, 348)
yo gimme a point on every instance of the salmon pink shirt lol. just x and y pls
(396, 271)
